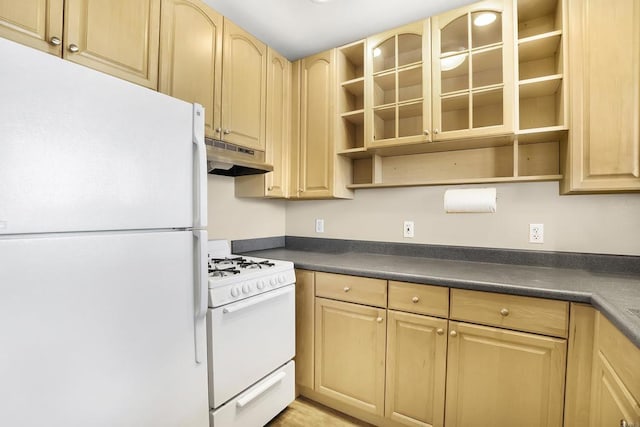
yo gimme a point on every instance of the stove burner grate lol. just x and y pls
(223, 272)
(227, 260)
(255, 264)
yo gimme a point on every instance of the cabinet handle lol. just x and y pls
(73, 48)
(379, 319)
(347, 289)
(415, 299)
(440, 331)
(504, 312)
(226, 132)
(453, 333)
(55, 41)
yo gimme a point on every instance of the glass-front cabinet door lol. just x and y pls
(398, 86)
(473, 71)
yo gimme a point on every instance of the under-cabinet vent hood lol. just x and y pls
(232, 160)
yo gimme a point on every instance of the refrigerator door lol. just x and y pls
(97, 329)
(81, 150)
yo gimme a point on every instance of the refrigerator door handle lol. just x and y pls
(200, 292)
(200, 169)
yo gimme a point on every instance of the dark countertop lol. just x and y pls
(617, 296)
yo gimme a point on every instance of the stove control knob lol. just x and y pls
(281, 279)
(273, 281)
(235, 292)
(246, 288)
(260, 285)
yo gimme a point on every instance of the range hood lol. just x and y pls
(232, 160)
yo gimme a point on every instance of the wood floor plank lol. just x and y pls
(306, 413)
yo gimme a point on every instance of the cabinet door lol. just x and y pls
(416, 364)
(604, 146)
(191, 55)
(316, 125)
(350, 354)
(399, 86)
(244, 88)
(611, 401)
(305, 312)
(473, 71)
(35, 23)
(503, 378)
(278, 123)
(117, 37)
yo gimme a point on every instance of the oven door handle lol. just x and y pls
(256, 300)
(260, 389)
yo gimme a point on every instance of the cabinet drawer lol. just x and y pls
(361, 290)
(422, 299)
(529, 314)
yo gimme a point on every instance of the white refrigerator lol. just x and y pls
(102, 249)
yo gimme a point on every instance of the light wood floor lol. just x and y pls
(305, 413)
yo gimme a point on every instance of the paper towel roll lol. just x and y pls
(470, 200)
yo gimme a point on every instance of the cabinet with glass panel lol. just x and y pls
(398, 87)
(473, 71)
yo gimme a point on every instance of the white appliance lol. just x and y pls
(102, 249)
(251, 337)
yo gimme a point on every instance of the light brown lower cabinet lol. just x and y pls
(502, 378)
(416, 365)
(615, 386)
(350, 354)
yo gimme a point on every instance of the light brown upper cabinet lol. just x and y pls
(398, 85)
(603, 154)
(244, 89)
(278, 134)
(191, 56)
(317, 170)
(117, 37)
(35, 23)
(473, 71)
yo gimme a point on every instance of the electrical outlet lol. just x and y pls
(319, 225)
(408, 229)
(536, 233)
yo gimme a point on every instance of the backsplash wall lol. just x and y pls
(239, 218)
(608, 224)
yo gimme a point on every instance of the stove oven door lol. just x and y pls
(248, 340)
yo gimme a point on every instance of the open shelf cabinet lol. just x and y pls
(350, 73)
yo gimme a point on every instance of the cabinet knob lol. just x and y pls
(624, 423)
(415, 299)
(269, 188)
(347, 289)
(379, 319)
(440, 331)
(436, 131)
(453, 333)
(55, 41)
(426, 132)
(73, 48)
(218, 130)
(504, 312)
(226, 132)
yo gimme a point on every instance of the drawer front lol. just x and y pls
(361, 290)
(528, 314)
(421, 299)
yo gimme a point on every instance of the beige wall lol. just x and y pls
(234, 219)
(586, 223)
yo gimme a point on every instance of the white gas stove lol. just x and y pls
(234, 277)
(252, 312)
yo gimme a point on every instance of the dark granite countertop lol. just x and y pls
(617, 296)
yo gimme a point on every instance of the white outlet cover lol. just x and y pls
(408, 229)
(536, 233)
(319, 225)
